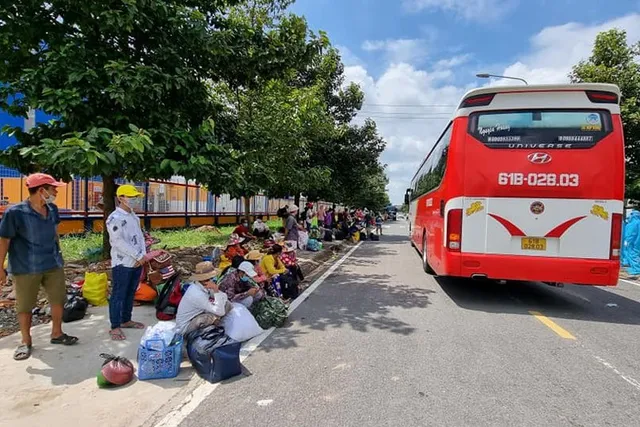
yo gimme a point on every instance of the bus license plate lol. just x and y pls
(533, 244)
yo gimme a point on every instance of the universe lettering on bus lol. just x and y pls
(563, 141)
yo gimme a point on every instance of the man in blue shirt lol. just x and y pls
(29, 234)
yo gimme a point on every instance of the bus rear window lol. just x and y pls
(540, 128)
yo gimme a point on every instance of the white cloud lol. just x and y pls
(399, 50)
(403, 99)
(472, 10)
(348, 57)
(554, 50)
(411, 108)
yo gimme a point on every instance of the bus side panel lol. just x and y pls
(452, 188)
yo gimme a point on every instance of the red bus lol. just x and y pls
(525, 183)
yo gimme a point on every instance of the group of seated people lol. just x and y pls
(248, 277)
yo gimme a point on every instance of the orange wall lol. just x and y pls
(168, 222)
(202, 220)
(75, 226)
(227, 220)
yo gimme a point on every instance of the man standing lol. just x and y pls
(291, 227)
(29, 234)
(128, 252)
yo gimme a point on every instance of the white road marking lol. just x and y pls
(266, 402)
(630, 282)
(628, 379)
(195, 398)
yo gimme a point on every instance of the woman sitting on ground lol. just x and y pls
(202, 304)
(271, 263)
(260, 229)
(254, 257)
(239, 286)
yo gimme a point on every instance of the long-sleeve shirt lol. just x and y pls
(269, 265)
(126, 238)
(197, 301)
(235, 288)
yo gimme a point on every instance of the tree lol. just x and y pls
(130, 83)
(613, 60)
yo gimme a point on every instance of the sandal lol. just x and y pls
(23, 352)
(64, 339)
(117, 335)
(132, 325)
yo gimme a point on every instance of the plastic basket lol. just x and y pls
(157, 361)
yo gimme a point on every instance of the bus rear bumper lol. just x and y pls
(539, 269)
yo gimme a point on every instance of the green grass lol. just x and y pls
(76, 248)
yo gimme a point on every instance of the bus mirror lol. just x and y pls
(406, 198)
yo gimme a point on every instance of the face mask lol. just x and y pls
(245, 278)
(124, 201)
(48, 198)
(246, 224)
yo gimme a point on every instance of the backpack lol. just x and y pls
(160, 268)
(169, 299)
(270, 312)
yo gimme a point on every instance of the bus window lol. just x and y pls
(544, 128)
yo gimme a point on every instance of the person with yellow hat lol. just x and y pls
(127, 256)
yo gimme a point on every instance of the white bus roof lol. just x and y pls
(605, 87)
(540, 96)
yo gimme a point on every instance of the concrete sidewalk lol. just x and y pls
(57, 386)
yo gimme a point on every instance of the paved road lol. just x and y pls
(379, 343)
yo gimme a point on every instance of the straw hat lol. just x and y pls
(204, 271)
(254, 255)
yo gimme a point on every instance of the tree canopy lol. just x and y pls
(613, 60)
(237, 94)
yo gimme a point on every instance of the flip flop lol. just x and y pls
(132, 325)
(64, 339)
(117, 335)
(23, 352)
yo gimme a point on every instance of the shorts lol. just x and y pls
(27, 287)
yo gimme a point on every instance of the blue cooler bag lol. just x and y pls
(226, 362)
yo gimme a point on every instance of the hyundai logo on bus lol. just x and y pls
(539, 158)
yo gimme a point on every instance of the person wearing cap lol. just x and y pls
(291, 226)
(29, 235)
(239, 285)
(203, 304)
(128, 252)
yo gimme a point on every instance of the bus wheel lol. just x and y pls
(425, 263)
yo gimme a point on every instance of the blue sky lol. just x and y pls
(411, 56)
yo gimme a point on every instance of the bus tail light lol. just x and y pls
(616, 236)
(600, 97)
(454, 230)
(477, 101)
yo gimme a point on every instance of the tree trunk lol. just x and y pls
(247, 207)
(296, 200)
(109, 196)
